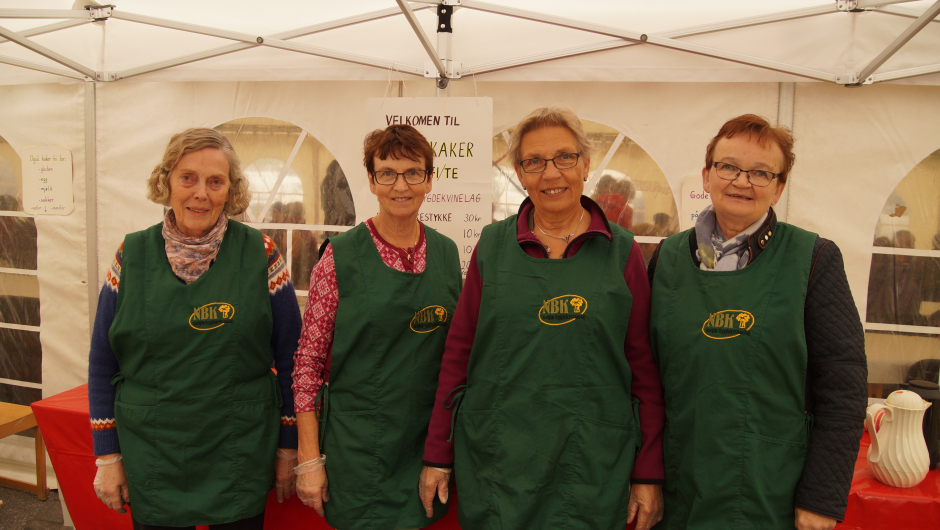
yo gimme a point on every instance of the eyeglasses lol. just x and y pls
(387, 177)
(757, 177)
(538, 165)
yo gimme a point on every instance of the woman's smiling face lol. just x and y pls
(553, 190)
(199, 186)
(737, 202)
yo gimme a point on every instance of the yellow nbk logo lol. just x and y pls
(428, 319)
(211, 316)
(728, 324)
(562, 309)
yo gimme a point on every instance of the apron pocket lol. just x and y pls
(255, 431)
(475, 463)
(350, 443)
(600, 478)
(136, 425)
(772, 469)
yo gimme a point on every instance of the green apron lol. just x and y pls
(387, 348)
(732, 356)
(196, 406)
(547, 431)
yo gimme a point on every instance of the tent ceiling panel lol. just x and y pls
(80, 44)
(812, 39)
(151, 44)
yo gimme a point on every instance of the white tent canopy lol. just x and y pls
(664, 74)
(844, 42)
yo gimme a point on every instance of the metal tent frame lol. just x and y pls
(441, 65)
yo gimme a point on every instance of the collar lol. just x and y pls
(599, 225)
(756, 243)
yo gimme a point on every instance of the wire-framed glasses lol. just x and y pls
(387, 177)
(757, 177)
(538, 165)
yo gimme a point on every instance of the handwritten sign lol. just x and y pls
(460, 131)
(694, 200)
(47, 181)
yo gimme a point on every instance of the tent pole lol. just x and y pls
(91, 200)
(655, 40)
(930, 14)
(901, 12)
(41, 68)
(907, 72)
(46, 52)
(42, 30)
(425, 41)
(877, 3)
(444, 35)
(785, 109)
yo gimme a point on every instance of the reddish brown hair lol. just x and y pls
(756, 127)
(398, 142)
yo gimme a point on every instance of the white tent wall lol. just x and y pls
(46, 115)
(136, 120)
(853, 148)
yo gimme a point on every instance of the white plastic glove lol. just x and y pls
(284, 473)
(312, 483)
(433, 480)
(111, 483)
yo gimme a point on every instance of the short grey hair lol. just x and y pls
(180, 145)
(555, 115)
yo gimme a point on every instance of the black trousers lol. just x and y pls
(251, 523)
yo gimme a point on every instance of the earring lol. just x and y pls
(523, 187)
(585, 180)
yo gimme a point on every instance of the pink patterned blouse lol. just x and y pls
(312, 358)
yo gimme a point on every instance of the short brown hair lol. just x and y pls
(555, 115)
(398, 142)
(761, 129)
(180, 145)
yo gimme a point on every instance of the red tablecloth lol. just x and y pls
(63, 420)
(876, 506)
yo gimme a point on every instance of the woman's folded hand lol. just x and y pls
(433, 480)
(312, 483)
(284, 473)
(111, 483)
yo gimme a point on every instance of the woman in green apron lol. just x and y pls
(186, 414)
(548, 359)
(381, 301)
(761, 352)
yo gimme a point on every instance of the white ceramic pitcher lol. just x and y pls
(898, 453)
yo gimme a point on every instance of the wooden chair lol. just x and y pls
(14, 419)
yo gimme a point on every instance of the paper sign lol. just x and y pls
(460, 131)
(694, 200)
(47, 181)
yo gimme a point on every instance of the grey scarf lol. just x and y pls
(715, 251)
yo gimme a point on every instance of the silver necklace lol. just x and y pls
(562, 238)
(408, 251)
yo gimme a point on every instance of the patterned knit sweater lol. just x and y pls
(103, 364)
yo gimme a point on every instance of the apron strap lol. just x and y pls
(322, 396)
(455, 401)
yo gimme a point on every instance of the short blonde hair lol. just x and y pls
(555, 115)
(181, 144)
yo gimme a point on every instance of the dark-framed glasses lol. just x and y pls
(757, 177)
(387, 177)
(538, 165)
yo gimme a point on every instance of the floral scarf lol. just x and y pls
(190, 257)
(717, 253)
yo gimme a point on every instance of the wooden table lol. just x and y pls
(18, 418)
